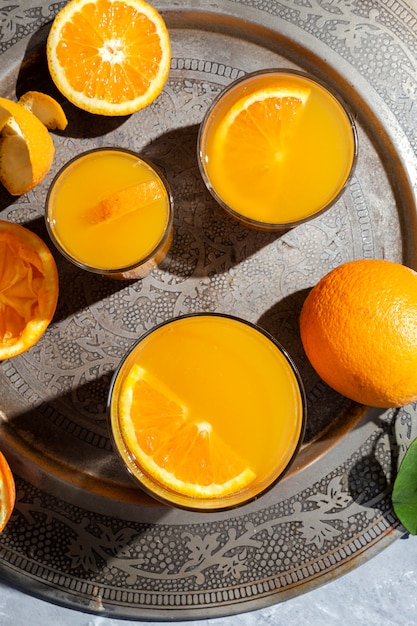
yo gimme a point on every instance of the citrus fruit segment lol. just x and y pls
(46, 109)
(26, 149)
(253, 136)
(110, 57)
(179, 451)
(28, 289)
(359, 330)
(7, 492)
(141, 400)
(269, 106)
(125, 201)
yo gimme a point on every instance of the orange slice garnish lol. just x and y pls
(253, 136)
(125, 201)
(4, 117)
(178, 450)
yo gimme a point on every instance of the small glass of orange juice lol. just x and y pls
(207, 411)
(110, 211)
(276, 148)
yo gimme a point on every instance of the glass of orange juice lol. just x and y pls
(207, 411)
(276, 148)
(109, 211)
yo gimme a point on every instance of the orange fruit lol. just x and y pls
(26, 149)
(46, 109)
(28, 289)
(7, 492)
(359, 330)
(176, 449)
(110, 57)
(254, 134)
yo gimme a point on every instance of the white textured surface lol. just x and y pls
(381, 592)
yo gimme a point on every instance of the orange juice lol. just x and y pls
(109, 211)
(223, 373)
(276, 148)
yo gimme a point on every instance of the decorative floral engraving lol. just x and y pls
(17, 22)
(372, 37)
(207, 554)
(405, 430)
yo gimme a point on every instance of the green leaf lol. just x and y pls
(404, 493)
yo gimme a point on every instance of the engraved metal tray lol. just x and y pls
(82, 534)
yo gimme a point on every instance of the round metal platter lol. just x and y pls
(82, 534)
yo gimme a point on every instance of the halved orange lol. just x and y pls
(253, 136)
(110, 57)
(7, 492)
(26, 149)
(28, 289)
(178, 450)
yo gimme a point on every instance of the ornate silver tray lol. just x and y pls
(82, 534)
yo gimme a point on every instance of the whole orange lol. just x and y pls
(359, 330)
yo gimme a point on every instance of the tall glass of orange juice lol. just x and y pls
(276, 148)
(207, 411)
(109, 211)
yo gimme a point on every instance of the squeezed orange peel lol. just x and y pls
(45, 108)
(4, 117)
(26, 148)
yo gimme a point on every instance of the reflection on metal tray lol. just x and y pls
(82, 534)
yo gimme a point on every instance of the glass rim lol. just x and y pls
(276, 226)
(230, 501)
(127, 268)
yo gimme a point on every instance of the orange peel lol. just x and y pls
(26, 149)
(46, 109)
